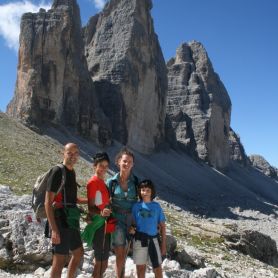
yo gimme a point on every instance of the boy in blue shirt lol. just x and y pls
(149, 218)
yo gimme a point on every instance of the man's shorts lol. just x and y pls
(70, 240)
(141, 255)
(101, 247)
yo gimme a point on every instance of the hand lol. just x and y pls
(55, 237)
(88, 218)
(105, 212)
(132, 230)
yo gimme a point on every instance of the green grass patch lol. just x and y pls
(25, 155)
(205, 241)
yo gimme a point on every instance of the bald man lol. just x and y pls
(63, 237)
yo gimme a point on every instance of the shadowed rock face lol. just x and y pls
(53, 83)
(198, 106)
(237, 152)
(254, 244)
(127, 66)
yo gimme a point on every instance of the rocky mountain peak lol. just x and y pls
(183, 54)
(127, 66)
(263, 165)
(198, 106)
(53, 83)
(65, 3)
(237, 152)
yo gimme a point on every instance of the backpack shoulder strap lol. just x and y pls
(112, 188)
(63, 181)
(136, 183)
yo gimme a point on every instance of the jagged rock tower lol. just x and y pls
(198, 106)
(53, 83)
(128, 69)
(237, 152)
(261, 164)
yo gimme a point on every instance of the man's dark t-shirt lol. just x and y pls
(70, 238)
(54, 182)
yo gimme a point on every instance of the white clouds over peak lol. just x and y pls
(99, 3)
(10, 15)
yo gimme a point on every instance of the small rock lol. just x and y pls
(39, 272)
(204, 273)
(171, 245)
(170, 265)
(190, 258)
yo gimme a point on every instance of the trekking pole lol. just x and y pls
(104, 238)
(103, 246)
(126, 253)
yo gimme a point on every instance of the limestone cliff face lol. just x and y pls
(128, 69)
(198, 106)
(53, 82)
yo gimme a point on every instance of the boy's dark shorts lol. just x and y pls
(101, 254)
(70, 240)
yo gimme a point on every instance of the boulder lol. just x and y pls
(170, 265)
(23, 245)
(254, 244)
(171, 245)
(190, 259)
(207, 272)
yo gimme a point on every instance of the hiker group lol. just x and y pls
(122, 216)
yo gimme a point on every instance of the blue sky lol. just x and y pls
(241, 39)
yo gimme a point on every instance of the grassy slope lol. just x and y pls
(26, 154)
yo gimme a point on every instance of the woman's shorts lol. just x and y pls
(120, 235)
(101, 246)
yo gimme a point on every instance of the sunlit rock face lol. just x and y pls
(53, 83)
(263, 165)
(198, 106)
(129, 72)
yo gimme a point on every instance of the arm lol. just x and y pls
(162, 227)
(49, 198)
(93, 209)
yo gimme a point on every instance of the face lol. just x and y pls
(146, 193)
(101, 169)
(71, 154)
(125, 163)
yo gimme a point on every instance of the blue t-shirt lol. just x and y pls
(147, 216)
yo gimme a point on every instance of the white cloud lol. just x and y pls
(10, 15)
(99, 4)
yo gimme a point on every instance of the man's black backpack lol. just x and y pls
(39, 190)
